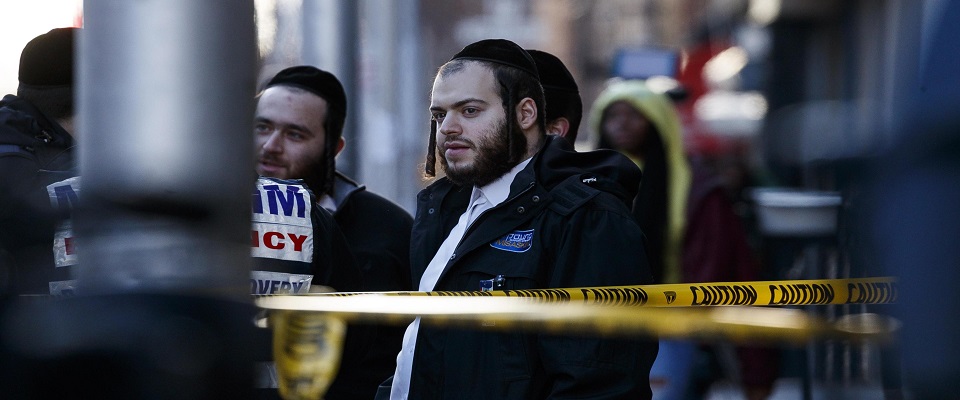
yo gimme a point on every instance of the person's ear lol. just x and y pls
(527, 113)
(559, 127)
(340, 144)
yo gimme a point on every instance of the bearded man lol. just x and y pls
(517, 209)
(298, 132)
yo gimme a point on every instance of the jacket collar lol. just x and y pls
(30, 121)
(499, 190)
(343, 189)
(606, 170)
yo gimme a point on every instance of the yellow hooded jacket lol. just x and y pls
(659, 110)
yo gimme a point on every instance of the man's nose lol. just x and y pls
(449, 125)
(274, 143)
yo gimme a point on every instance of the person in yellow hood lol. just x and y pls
(644, 126)
(692, 234)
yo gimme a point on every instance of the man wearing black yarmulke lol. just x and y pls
(298, 134)
(564, 106)
(517, 209)
(36, 149)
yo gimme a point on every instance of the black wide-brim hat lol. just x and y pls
(316, 81)
(500, 51)
(553, 74)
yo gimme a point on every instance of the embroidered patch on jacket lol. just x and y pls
(516, 241)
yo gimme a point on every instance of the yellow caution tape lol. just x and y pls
(308, 329)
(302, 358)
(880, 290)
(501, 313)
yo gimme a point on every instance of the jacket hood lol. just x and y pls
(656, 107)
(19, 116)
(606, 170)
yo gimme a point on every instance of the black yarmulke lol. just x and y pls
(47, 60)
(553, 74)
(500, 51)
(316, 81)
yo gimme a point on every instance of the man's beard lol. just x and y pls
(314, 176)
(316, 180)
(492, 160)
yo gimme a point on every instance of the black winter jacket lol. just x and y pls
(34, 152)
(566, 223)
(378, 234)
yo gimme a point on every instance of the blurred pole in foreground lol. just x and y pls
(165, 104)
(165, 94)
(915, 214)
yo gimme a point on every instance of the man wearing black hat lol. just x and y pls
(298, 129)
(564, 107)
(517, 209)
(36, 149)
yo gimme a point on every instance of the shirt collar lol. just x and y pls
(497, 191)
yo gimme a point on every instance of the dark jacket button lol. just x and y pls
(521, 210)
(536, 199)
(430, 211)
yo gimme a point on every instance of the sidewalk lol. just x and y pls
(791, 389)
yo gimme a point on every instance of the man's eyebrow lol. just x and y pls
(460, 103)
(288, 126)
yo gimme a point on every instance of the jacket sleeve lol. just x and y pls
(340, 271)
(598, 247)
(336, 267)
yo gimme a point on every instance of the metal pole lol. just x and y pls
(412, 92)
(395, 98)
(331, 38)
(165, 104)
(165, 99)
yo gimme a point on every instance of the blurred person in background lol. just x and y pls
(36, 148)
(692, 232)
(643, 125)
(298, 133)
(564, 108)
(501, 219)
